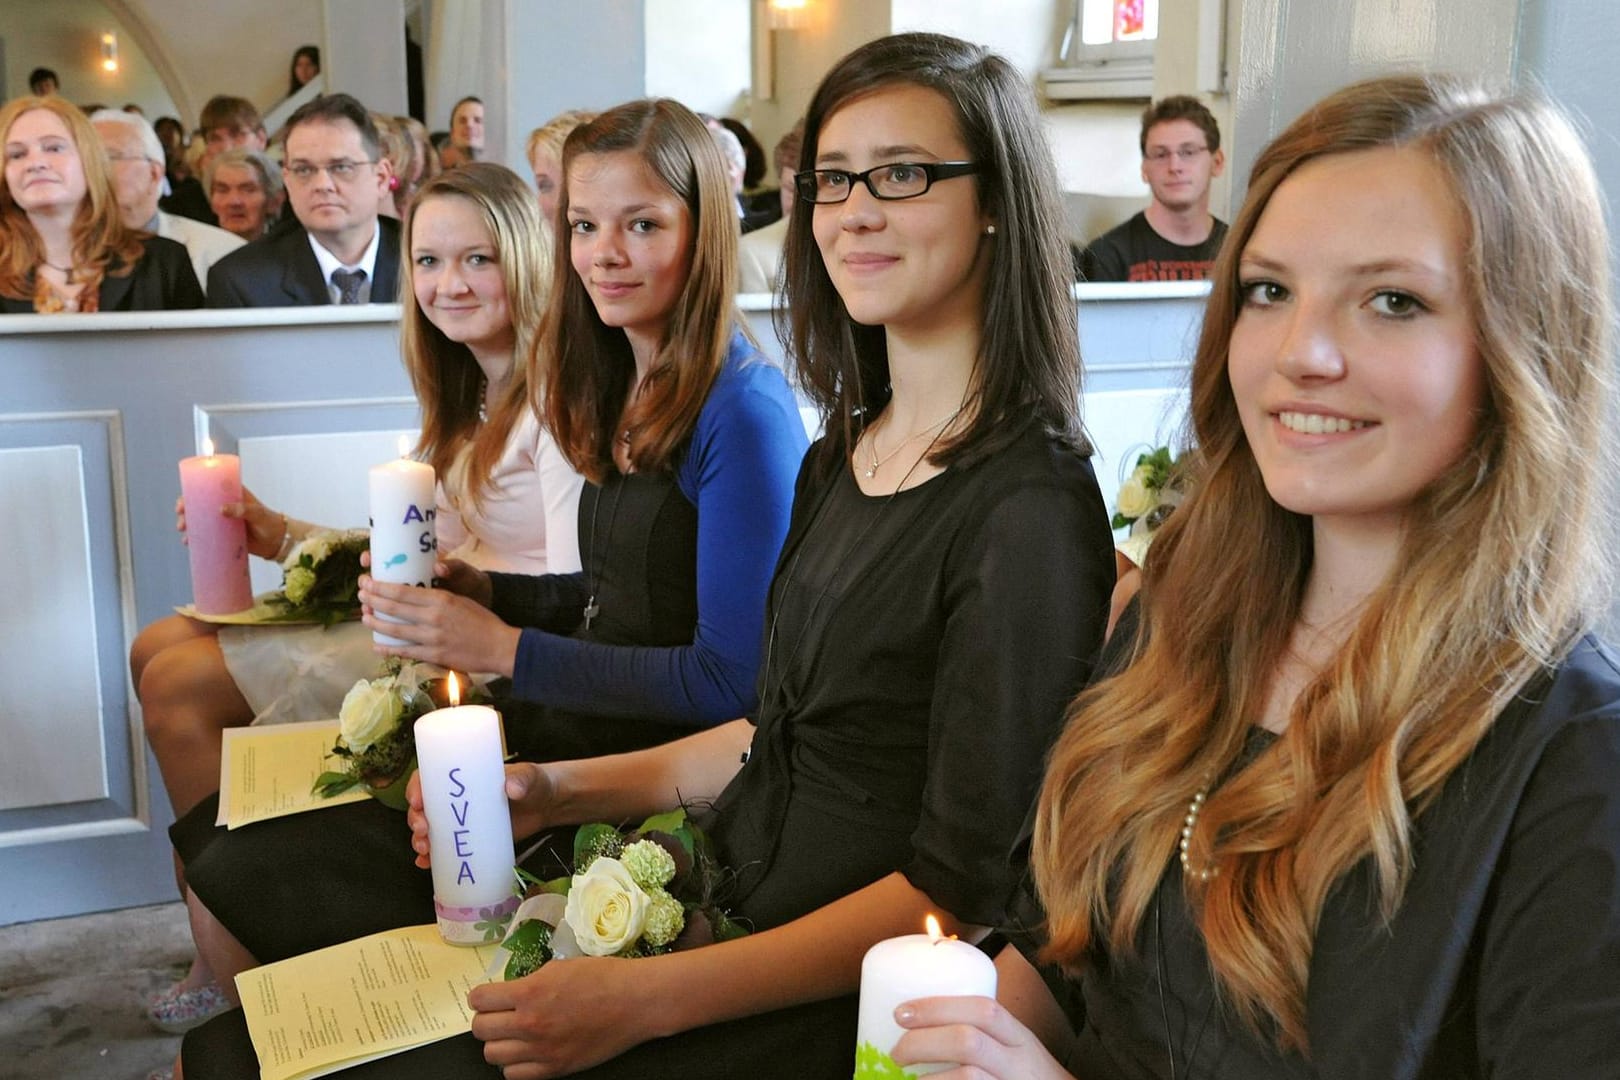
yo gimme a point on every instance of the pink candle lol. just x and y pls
(218, 544)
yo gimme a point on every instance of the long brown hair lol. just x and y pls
(588, 365)
(102, 243)
(446, 377)
(1454, 632)
(1028, 368)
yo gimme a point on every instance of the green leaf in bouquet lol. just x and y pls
(331, 784)
(392, 794)
(557, 886)
(530, 947)
(670, 821)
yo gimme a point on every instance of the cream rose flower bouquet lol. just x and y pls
(634, 893)
(321, 578)
(376, 734)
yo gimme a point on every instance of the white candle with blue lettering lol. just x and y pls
(403, 543)
(460, 757)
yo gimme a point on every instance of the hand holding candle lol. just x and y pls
(217, 544)
(460, 764)
(403, 544)
(903, 969)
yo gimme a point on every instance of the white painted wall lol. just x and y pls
(702, 62)
(65, 35)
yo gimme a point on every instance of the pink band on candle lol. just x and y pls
(475, 925)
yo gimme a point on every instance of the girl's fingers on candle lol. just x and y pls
(977, 1033)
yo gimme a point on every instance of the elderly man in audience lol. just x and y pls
(245, 192)
(136, 154)
(466, 134)
(343, 253)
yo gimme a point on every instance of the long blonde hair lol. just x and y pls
(447, 379)
(102, 244)
(1456, 630)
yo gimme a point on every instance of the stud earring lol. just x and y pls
(989, 230)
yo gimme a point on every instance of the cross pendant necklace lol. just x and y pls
(875, 463)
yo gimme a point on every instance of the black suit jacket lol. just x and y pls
(161, 281)
(280, 270)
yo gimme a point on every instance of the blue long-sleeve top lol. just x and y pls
(738, 470)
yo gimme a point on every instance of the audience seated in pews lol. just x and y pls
(1346, 808)
(507, 499)
(691, 475)
(342, 252)
(137, 172)
(914, 673)
(64, 246)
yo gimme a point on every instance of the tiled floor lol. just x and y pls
(72, 993)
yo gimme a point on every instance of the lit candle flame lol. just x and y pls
(934, 933)
(404, 446)
(453, 692)
(208, 447)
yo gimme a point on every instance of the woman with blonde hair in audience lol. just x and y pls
(938, 599)
(476, 273)
(398, 148)
(544, 152)
(1349, 809)
(63, 245)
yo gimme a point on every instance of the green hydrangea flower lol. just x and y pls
(666, 918)
(649, 864)
(300, 579)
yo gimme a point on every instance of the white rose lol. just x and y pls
(369, 711)
(1134, 498)
(317, 545)
(606, 909)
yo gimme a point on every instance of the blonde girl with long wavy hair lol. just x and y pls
(1349, 808)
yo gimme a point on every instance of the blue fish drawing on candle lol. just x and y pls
(395, 560)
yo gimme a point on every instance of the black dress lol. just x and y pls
(1502, 961)
(161, 280)
(920, 651)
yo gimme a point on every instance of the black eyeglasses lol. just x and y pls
(901, 180)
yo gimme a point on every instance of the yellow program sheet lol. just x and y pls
(335, 1008)
(270, 771)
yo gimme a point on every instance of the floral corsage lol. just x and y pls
(321, 578)
(377, 733)
(639, 892)
(1145, 500)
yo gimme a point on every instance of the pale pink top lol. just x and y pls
(529, 522)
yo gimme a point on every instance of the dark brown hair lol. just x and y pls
(1180, 107)
(1028, 368)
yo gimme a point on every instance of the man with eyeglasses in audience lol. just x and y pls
(137, 160)
(343, 253)
(1176, 238)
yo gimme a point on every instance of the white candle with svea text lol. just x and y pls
(460, 757)
(403, 543)
(906, 968)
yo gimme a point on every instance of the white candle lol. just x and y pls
(403, 544)
(906, 968)
(460, 756)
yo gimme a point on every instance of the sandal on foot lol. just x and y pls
(177, 1011)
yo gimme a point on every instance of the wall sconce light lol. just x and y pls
(788, 14)
(109, 52)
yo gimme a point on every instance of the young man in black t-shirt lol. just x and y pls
(1176, 238)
